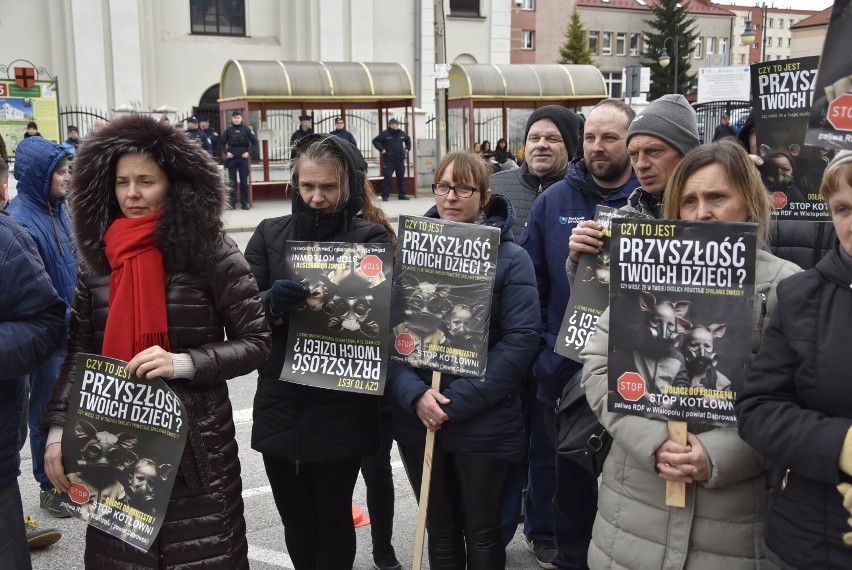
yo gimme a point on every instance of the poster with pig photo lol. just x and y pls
(589, 291)
(442, 286)
(681, 314)
(792, 172)
(337, 339)
(121, 447)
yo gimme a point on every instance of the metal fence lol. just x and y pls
(710, 115)
(81, 117)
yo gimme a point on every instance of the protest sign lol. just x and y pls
(121, 447)
(337, 339)
(589, 291)
(681, 313)
(791, 172)
(442, 286)
(830, 125)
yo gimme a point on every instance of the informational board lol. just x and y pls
(681, 314)
(442, 286)
(337, 338)
(121, 447)
(724, 84)
(23, 99)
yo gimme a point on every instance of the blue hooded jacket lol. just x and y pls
(46, 220)
(556, 212)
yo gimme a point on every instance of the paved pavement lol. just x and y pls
(267, 550)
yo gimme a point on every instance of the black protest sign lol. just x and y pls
(792, 172)
(681, 314)
(121, 447)
(337, 339)
(442, 286)
(589, 291)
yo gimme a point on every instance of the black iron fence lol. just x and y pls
(710, 116)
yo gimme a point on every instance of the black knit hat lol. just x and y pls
(568, 122)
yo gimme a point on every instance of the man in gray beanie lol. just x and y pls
(657, 139)
(552, 137)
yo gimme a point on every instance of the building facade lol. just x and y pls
(777, 33)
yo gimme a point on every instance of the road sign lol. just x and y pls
(778, 199)
(404, 344)
(371, 265)
(840, 113)
(631, 386)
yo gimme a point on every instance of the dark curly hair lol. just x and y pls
(191, 225)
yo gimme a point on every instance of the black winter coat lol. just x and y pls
(522, 188)
(485, 413)
(204, 525)
(801, 241)
(796, 409)
(293, 422)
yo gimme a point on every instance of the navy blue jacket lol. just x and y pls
(201, 137)
(238, 139)
(559, 208)
(46, 220)
(32, 327)
(485, 414)
(394, 142)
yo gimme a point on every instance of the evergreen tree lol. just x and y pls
(575, 49)
(671, 20)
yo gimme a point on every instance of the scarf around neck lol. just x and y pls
(137, 317)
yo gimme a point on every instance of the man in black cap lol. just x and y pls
(196, 134)
(305, 129)
(238, 141)
(340, 131)
(724, 129)
(394, 145)
(551, 139)
(212, 136)
(73, 140)
(32, 130)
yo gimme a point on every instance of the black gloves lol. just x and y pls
(284, 295)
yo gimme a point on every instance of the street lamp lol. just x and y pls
(749, 35)
(665, 59)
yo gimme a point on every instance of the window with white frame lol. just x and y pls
(527, 39)
(780, 42)
(593, 43)
(723, 45)
(634, 44)
(464, 8)
(771, 22)
(606, 44)
(742, 58)
(646, 44)
(613, 81)
(528, 5)
(217, 17)
(698, 51)
(711, 45)
(620, 41)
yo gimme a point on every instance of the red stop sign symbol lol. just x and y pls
(78, 493)
(840, 113)
(778, 199)
(404, 344)
(371, 266)
(631, 386)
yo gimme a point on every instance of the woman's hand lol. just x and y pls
(429, 411)
(53, 467)
(586, 237)
(686, 463)
(151, 363)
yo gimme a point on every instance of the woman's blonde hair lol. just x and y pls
(742, 175)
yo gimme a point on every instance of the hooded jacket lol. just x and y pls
(204, 525)
(554, 215)
(485, 413)
(46, 220)
(32, 327)
(293, 422)
(722, 522)
(796, 409)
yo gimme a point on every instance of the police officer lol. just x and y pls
(196, 134)
(238, 141)
(394, 145)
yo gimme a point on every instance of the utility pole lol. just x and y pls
(442, 81)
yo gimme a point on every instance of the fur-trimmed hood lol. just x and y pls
(196, 187)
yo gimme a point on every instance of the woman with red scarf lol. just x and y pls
(164, 288)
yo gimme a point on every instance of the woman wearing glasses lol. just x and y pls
(478, 421)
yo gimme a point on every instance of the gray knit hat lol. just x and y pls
(670, 118)
(842, 157)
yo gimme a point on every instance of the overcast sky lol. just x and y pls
(798, 4)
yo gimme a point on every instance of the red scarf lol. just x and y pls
(137, 288)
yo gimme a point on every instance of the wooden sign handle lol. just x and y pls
(423, 507)
(676, 490)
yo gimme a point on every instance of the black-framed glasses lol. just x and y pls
(461, 190)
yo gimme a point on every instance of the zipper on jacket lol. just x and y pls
(762, 318)
(297, 468)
